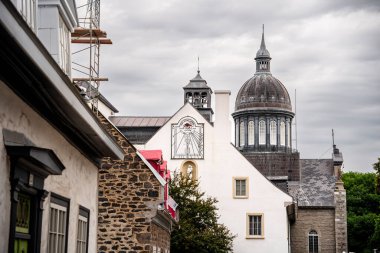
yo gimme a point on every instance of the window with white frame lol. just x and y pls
(64, 47)
(273, 133)
(255, 225)
(240, 187)
(262, 132)
(58, 225)
(251, 133)
(313, 241)
(282, 133)
(82, 232)
(242, 134)
(27, 9)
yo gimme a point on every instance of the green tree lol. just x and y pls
(363, 212)
(376, 167)
(198, 229)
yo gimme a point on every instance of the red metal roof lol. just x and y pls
(152, 154)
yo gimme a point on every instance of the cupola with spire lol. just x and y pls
(263, 111)
(198, 94)
(263, 57)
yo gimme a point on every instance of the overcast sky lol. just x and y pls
(329, 51)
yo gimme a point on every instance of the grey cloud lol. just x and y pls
(327, 50)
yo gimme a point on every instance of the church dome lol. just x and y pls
(263, 91)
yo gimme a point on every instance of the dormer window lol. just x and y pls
(64, 47)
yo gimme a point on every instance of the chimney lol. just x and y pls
(222, 122)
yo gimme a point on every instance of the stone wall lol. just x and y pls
(129, 194)
(276, 164)
(340, 218)
(160, 238)
(318, 219)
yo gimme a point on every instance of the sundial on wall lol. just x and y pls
(187, 139)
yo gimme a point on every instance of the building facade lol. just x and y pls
(191, 144)
(69, 181)
(263, 133)
(48, 166)
(307, 197)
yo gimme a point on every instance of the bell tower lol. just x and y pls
(198, 94)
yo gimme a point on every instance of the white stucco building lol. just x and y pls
(249, 205)
(51, 143)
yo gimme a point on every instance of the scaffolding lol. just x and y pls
(89, 36)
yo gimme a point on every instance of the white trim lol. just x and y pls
(34, 52)
(155, 173)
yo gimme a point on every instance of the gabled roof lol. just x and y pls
(137, 121)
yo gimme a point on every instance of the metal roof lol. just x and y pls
(197, 83)
(136, 121)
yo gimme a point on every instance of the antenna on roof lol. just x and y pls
(198, 65)
(263, 28)
(295, 112)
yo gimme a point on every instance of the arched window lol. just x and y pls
(189, 97)
(236, 134)
(282, 133)
(204, 99)
(242, 134)
(313, 241)
(262, 132)
(273, 133)
(288, 132)
(251, 133)
(197, 99)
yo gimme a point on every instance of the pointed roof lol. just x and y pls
(197, 83)
(263, 51)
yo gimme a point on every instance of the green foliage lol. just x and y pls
(363, 207)
(376, 167)
(198, 230)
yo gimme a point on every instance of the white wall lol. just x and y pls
(221, 163)
(78, 182)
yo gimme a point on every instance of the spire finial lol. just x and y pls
(262, 46)
(198, 65)
(332, 132)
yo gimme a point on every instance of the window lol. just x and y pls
(251, 133)
(64, 47)
(242, 134)
(313, 241)
(273, 133)
(288, 132)
(58, 225)
(237, 134)
(27, 10)
(262, 132)
(240, 187)
(255, 226)
(82, 233)
(282, 133)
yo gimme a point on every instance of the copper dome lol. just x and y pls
(263, 91)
